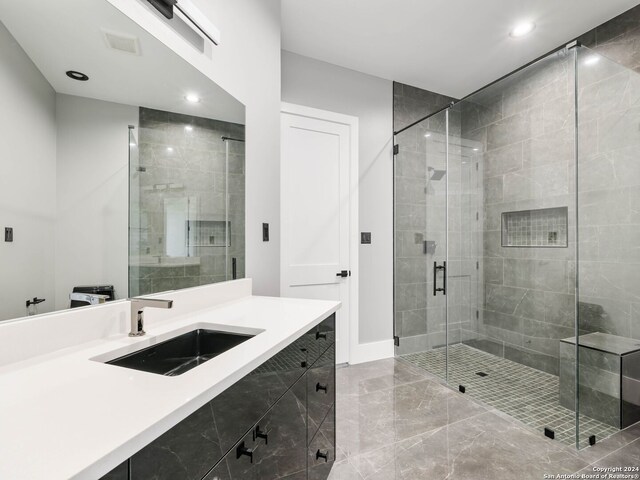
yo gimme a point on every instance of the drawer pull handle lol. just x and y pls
(321, 386)
(260, 434)
(321, 335)
(242, 450)
(322, 454)
(303, 364)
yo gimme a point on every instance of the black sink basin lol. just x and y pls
(182, 353)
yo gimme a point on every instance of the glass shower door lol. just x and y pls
(421, 244)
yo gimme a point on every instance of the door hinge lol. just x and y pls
(396, 341)
(396, 149)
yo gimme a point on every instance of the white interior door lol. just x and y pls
(318, 223)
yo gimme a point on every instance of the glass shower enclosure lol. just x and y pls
(186, 202)
(517, 231)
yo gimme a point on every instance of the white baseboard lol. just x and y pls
(368, 352)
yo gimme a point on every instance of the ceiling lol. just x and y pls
(66, 35)
(453, 47)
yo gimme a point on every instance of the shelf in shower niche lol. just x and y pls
(540, 228)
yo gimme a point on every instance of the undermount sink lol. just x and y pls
(182, 353)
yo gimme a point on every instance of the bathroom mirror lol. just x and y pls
(122, 165)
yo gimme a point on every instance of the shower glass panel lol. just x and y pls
(609, 250)
(421, 207)
(186, 202)
(512, 290)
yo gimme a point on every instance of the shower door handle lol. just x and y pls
(437, 267)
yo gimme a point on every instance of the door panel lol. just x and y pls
(316, 162)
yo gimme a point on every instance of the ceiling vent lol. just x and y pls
(122, 42)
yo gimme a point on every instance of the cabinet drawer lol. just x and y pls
(320, 337)
(239, 464)
(322, 449)
(321, 393)
(281, 436)
(275, 447)
(239, 407)
(187, 451)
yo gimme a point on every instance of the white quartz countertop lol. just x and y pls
(68, 415)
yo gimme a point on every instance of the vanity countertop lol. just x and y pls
(67, 415)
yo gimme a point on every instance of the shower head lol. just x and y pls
(437, 174)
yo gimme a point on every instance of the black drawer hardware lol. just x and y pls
(257, 433)
(322, 454)
(321, 386)
(343, 273)
(303, 364)
(242, 450)
(442, 267)
(321, 335)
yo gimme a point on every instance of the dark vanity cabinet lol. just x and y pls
(264, 427)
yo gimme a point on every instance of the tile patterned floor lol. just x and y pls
(397, 422)
(527, 394)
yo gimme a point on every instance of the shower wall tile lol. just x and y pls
(618, 39)
(414, 322)
(605, 315)
(503, 299)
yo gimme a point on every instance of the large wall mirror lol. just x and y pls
(122, 165)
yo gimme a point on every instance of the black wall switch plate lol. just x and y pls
(8, 234)
(265, 232)
(365, 238)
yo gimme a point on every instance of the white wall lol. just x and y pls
(93, 205)
(247, 65)
(27, 181)
(321, 85)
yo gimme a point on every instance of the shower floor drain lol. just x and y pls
(482, 374)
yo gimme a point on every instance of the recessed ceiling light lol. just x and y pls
(522, 29)
(592, 59)
(81, 77)
(192, 98)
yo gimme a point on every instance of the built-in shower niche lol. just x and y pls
(209, 233)
(542, 228)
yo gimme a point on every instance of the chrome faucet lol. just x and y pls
(137, 312)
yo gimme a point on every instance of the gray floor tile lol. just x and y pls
(485, 447)
(375, 419)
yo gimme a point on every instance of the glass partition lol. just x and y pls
(609, 249)
(518, 232)
(421, 243)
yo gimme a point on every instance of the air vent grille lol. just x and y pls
(122, 42)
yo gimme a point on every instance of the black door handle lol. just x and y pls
(322, 454)
(437, 267)
(321, 335)
(258, 433)
(242, 450)
(343, 273)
